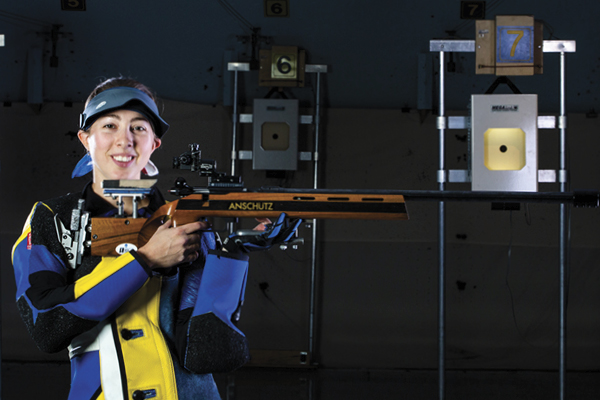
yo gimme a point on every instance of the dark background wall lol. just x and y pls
(377, 302)
(179, 48)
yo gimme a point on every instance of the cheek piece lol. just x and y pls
(119, 98)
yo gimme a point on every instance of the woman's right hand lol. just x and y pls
(170, 245)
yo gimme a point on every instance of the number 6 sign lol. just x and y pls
(282, 66)
(277, 8)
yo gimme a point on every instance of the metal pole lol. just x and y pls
(563, 237)
(562, 123)
(441, 242)
(235, 123)
(234, 135)
(313, 268)
(317, 131)
(1, 45)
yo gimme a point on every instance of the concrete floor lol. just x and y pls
(24, 381)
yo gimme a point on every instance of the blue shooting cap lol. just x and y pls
(123, 98)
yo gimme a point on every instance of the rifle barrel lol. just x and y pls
(579, 198)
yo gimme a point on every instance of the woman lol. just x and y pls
(136, 325)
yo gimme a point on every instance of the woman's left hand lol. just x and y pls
(262, 223)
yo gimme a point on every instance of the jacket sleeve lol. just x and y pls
(207, 339)
(54, 304)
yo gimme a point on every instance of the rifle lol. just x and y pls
(226, 196)
(107, 234)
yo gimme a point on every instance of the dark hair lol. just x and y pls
(120, 82)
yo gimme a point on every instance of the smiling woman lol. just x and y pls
(120, 144)
(149, 304)
(120, 129)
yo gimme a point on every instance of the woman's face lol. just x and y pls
(120, 144)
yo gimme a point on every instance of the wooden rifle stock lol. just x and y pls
(108, 233)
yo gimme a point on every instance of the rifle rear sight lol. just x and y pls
(193, 161)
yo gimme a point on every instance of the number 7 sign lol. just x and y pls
(514, 44)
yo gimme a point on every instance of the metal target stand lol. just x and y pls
(443, 123)
(236, 154)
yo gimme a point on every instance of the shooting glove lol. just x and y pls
(279, 232)
(208, 339)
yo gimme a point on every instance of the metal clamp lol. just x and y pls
(562, 122)
(563, 176)
(441, 122)
(441, 176)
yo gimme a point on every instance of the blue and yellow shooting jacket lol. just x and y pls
(127, 336)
